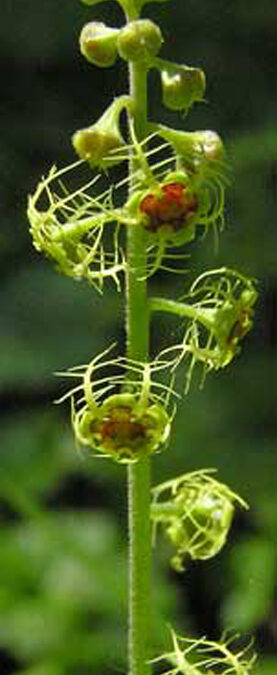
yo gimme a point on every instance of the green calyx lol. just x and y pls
(139, 40)
(122, 429)
(98, 43)
(102, 144)
(119, 416)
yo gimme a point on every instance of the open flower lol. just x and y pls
(192, 656)
(69, 226)
(124, 416)
(175, 190)
(171, 208)
(219, 312)
(196, 512)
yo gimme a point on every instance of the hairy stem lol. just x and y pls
(137, 327)
(204, 315)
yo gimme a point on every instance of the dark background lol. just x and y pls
(63, 515)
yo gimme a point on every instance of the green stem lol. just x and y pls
(204, 314)
(137, 327)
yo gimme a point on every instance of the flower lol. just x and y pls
(181, 85)
(124, 416)
(102, 144)
(199, 656)
(219, 312)
(196, 512)
(69, 225)
(171, 209)
(98, 43)
(139, 40)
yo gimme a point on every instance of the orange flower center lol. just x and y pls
(120, 428)
(172, 209)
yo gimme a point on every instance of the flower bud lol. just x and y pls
(98, 143)
(182, 86)
(139, 40)
(98, 43)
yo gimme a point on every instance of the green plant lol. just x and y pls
(123, 406)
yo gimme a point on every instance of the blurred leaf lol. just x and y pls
(63, 591)
(252, 581)
(50, 323)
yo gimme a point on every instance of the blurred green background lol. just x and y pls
(63, 515)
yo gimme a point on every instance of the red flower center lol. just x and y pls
(120, 428)
(172, 209)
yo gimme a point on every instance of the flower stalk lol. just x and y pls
(175, 187)
(137, 330)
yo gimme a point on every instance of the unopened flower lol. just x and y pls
(102, 144)
(139, 40)
(98, 43)
(181, 85)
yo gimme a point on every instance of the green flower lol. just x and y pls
(124, 416)
(196, 512)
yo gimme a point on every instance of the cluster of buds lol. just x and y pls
(196, 512)
(128, 424)
(192, 656)
(138, 40)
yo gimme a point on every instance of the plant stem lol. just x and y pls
(137, 327)
(204, 315)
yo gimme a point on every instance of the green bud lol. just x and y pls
(139, 40)
(98, 143)
(98, 43)
(182, 86)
